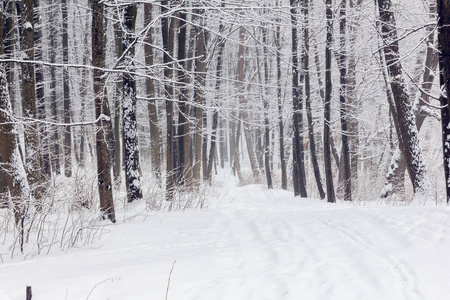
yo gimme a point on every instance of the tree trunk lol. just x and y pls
(117, 166)
(55, 159)
(266, 114)
(327, 109)
(402, 113)
(200, 69)
(443, 8)
(167, 31)
(312, 142)
(103, 159)
(299, 175)
(347, 188)
(396, 171)
(45, 157)
(155, 147)
(12, 165)
(280, 109)
(182, 120)
(130, 142)
(32, 150)
(66, 92)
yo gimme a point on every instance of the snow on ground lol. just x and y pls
(251, 243)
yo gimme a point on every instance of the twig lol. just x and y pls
(168, 282)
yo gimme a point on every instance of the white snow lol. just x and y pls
(251, 243)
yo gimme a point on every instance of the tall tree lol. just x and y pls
(266, 113)
(280, 106)
(66, 92)
(168, 35)
(347, 188)
(299, 175)
(400, 104)
(200, 74)
(32, 149)
(130, 142)
(12, 164)
(55, 157)
(312, 140)
(103, 158)
(40, 91)
(182, 137)
(117, 167)
(155, 148)
(443, 8)
(327, 109)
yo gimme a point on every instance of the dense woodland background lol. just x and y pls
(329, 99)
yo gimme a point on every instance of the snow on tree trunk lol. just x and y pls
(130, 142)
(12, 165)
(444, 66)
(32, 151)
(401, 105)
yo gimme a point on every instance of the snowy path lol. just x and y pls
(253, 244)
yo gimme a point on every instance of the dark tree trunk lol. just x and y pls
(347, 188)
(297, 95)
(327, 109)
(103, 159)
(280, 110)
(396, 171)
(167, 31)
(117, 166)
(130, 142)
(404, 119)
(55, 158)
(312, 142)
(66, 92)
(182, 120)
(45, 157)
(12, 165)
(32, 150)
(443, 7)
(200, 74)
(266, 114)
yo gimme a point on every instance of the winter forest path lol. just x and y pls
(253, 243)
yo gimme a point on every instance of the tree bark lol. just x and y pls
(299, 175)
(312, 141)
(401, 105)
(347, 182)
(55, 158)
(103, 158)
(182, 120)
(327, 109)
(443, 8)
(280, 108)
(167, 31)
(266, 114)
(155, 147)
(32, 150)
(200, 69)
(130, 141)
(66, 92)
(12, 165)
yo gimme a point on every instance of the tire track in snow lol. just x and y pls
(407, 277)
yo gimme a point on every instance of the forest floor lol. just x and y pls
(251, 243)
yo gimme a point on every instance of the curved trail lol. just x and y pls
(254, 243)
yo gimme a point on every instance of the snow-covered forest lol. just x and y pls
(118, 113)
